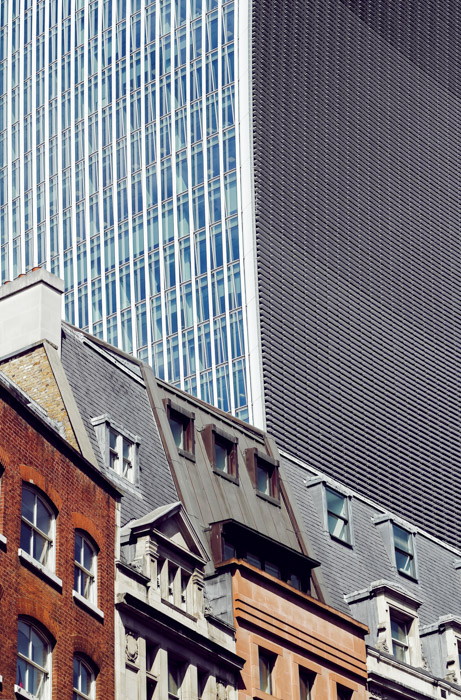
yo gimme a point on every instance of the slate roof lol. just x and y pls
(346, 569)
(104, 382)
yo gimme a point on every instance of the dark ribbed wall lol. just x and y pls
(357, 113)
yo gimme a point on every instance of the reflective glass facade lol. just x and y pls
(119, 172)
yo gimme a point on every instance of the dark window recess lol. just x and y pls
(232, 540)
(306, 683)
(264, 474)
(344, 693)
(221, 448)
(182, 427)
(266, 668)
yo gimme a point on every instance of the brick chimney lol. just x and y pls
(30, 311)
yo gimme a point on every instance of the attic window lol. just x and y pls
(232, 541)
(264, 474)
(221, 449)
(404, 551)
(119, 448)
(182, 428)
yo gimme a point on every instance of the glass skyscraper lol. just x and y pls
(120, 171)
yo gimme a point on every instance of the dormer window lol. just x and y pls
(404, 552)
(182, 428)
(394, 611)
(119, 448)
(221, 448)
(338, 515)
(264, 473)
(232, 540)
(121, 457)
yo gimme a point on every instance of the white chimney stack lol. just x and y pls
(30, 311)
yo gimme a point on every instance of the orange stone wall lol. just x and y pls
(302, 632)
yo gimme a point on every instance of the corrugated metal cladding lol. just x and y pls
(357, 120)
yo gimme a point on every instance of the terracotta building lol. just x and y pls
(58, 517)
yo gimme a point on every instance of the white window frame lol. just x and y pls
(90, 574)
(410, 552)
(50, 559)
(45, 686)
(345, 519)
(385, 524)
(104, 427)
(405, 624)
(77, 692)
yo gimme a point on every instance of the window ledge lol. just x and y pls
(225, 475)
(186, 454)
(271, 499)
(345, 543)
(39, 569)
(3, 540)
(22, 693)
(91, 607)
(410, 577)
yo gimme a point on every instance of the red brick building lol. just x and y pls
(57, 550)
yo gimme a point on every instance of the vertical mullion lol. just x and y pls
(87, 167)
(207, 203)
(144, 186)
(159, 191)
(46, 107)
(100, 178)
(130, 173)
(175, 199)
(9, 136)
(114, 169)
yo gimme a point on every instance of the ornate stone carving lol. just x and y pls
(381, 642)
(131, 646)
(221, 690)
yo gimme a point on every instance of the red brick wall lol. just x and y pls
(29, 455)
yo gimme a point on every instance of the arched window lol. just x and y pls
(85, 567)
(34, 661)
(84, 683)
(37, 528)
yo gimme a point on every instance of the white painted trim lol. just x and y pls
(23, 556)
(23, 693)
(84, 602)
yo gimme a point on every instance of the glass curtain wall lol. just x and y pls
(118, 171)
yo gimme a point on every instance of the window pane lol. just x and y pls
(26, 532)
(337, 527)
(399, 630)
(265, 671)
(23, 639)
(221, 457)
(177, 429)
(404, 562)
(336, 503)
(43, 518)
(37, 649)
(87, 556)
(39, 548)
(262, 480)
(402, 539)
(27, 509)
